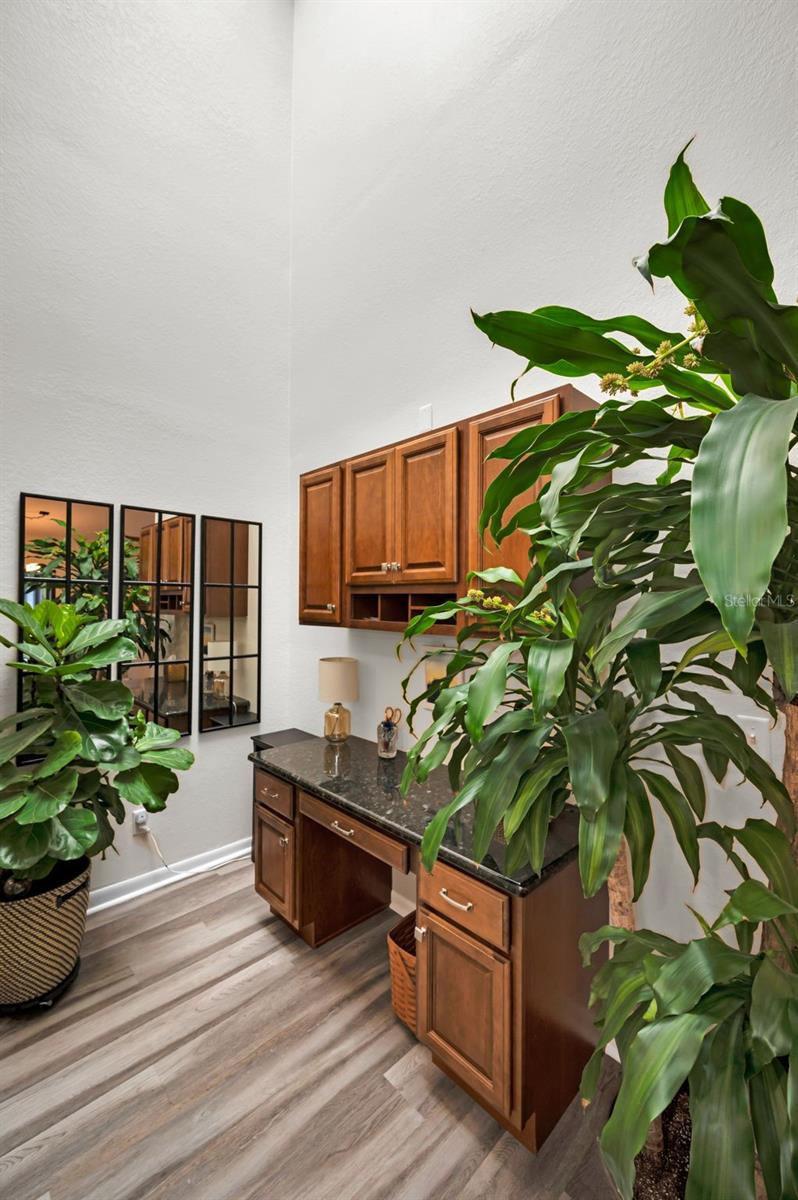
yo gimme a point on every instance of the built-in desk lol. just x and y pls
(502, 996)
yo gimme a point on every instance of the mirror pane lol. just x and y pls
(245, 627)
(44, 552)
(217, 550)
(245, 690)
(91, 599)
(90, 545)
(141, 681)
(139, 527)
(174, 709)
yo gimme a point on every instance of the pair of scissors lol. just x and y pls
(393, 716)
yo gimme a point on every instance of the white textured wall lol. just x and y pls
(145, 324)
(503, 154)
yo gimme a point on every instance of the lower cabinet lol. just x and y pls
(464, 1007)
(275, 862)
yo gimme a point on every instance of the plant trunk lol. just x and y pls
(620, 890)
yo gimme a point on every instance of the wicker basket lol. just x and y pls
(40, 937)
(402, 958)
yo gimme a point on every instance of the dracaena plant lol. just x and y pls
(637, 593)
(561, 704)
(720, 1019)
(70, 760)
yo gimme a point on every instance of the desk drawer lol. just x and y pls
(349, 829)
(480, 909)
(275, 793)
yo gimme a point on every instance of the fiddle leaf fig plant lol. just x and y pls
(84, 753)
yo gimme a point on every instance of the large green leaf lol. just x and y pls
(23, 845)
(48, 798)
(752, 901)
(638, 830)
(702, 964)
(95, 634)
(738, 518)
(774, 1012)
(64, 749)
(658, 1061)
(506, 769)
(768, 1094)
(688, 773)
(679, 814)
(651, 611)
(547, 664)
(600, 840)
(436, 829)
(771, 849)
(722, 1142)
(644, 667)
(486, 689)
(682, 198)
(117, 650)
(781, 643)
(74, 832)
(23, 616)
(12, 744)
(105, 698)
(549, 764)
(147, 785)
(592, 745)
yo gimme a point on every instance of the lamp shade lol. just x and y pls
(338, 679)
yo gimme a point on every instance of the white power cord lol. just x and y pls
(194, 870)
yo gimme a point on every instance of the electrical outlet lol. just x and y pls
(758, 734)
(141, 822)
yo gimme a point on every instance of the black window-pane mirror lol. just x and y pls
(231, 634)
(157, 602)
(66, 549)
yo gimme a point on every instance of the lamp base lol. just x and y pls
(337, 723)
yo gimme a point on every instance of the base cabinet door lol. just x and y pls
(320, 547)
(274, 863)
(464, 1007)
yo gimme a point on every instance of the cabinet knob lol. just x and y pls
(396, 566)
(330, 608)
(420, 932)
(283, 843)
(385, 566)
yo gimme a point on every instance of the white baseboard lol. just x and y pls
(150, 881)
(401, 904)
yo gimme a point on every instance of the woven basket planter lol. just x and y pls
(402, 959)
(40, 937)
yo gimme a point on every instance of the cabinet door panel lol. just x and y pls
(370, 511)
(426, 508)
(487, 434)
(320, 547)
(464, 1007)
(274, 862)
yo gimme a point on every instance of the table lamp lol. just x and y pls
(337, 682)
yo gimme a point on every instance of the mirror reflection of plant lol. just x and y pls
(92, 755)
(89, 561)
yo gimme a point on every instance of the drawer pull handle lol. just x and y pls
(340, 829)
(271, 794)
(456, 903)
(283, 843)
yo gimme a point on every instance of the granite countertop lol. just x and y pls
(354, 779)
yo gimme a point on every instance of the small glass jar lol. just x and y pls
(387, 739)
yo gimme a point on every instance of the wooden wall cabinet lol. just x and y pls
(320, 546)
(370, 520)
(410, 516)
(486, 434)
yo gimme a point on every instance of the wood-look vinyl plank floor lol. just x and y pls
(206, 1053)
